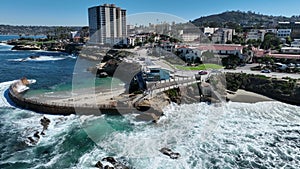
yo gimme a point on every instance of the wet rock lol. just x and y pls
(148, 117)
(102, 75)
(170, 153)
(32, 141)
(174, 155)
(45, 123)
(166, 151)
(120, 166)
(36, 134)
(110, 160)
(99, 165)
(115, 163)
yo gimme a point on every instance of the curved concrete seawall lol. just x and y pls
(64, 108)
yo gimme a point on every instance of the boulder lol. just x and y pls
(31, 140)
(36, 134)
(110, 160)
(174, 155)
(25, 81)
(115, 163)
(170, 153)
(166, 151)
(45, 123)
(108, 167)
(148, 117)
(99, 165)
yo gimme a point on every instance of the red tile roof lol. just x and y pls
(286, 56)
(214, 47)
(221, 47)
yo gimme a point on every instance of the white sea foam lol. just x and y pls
(72, 56)
(236, 135)
(3, 87)
(41, 59)
(38, 59)
(6, 45)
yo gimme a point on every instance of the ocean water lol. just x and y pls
(235, 135)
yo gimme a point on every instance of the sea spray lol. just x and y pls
(245, 136)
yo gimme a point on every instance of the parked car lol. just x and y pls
(203, 72)
(266, 71)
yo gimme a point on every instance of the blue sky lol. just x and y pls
(74, 12)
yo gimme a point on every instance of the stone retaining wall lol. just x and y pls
(65, 109)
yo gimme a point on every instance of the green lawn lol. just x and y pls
(200, 67)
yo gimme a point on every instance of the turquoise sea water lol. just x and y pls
(235, 135)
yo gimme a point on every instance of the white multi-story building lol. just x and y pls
(271, 31)
(290, 50)
(256, 34)
(209, 31)
(222, 35)
(283, 33)
(107, 24)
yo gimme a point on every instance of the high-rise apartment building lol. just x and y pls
(107, 24)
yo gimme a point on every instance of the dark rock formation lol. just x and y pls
(174, 95)
(103, 75)
(22, 47)
(108, 167)
(34, 57)
(45, 123)
(36, 134)
(31, 140)
(110, 160)
(148, 117)
(99, 165)
(115, 163)
(170, 153)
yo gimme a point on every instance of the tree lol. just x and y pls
(271, 42)
(259, 61)
(288, 40)
(231, 61)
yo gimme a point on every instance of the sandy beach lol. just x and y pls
(247, 97)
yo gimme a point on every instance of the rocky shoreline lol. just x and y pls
(286, 90)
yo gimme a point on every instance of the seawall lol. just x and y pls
(65, 109)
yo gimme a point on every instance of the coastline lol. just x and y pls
(247, 97)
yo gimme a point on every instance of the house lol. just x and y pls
(156, 73)
(296, 43)
(290, 50)
(189, 53)
(223, 49)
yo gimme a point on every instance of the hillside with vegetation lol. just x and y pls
(233, 18)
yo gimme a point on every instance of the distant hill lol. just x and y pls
(35, 30)
(245, 19)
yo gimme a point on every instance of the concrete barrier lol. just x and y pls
(64, 108)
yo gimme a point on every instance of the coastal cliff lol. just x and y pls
(286, 90)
